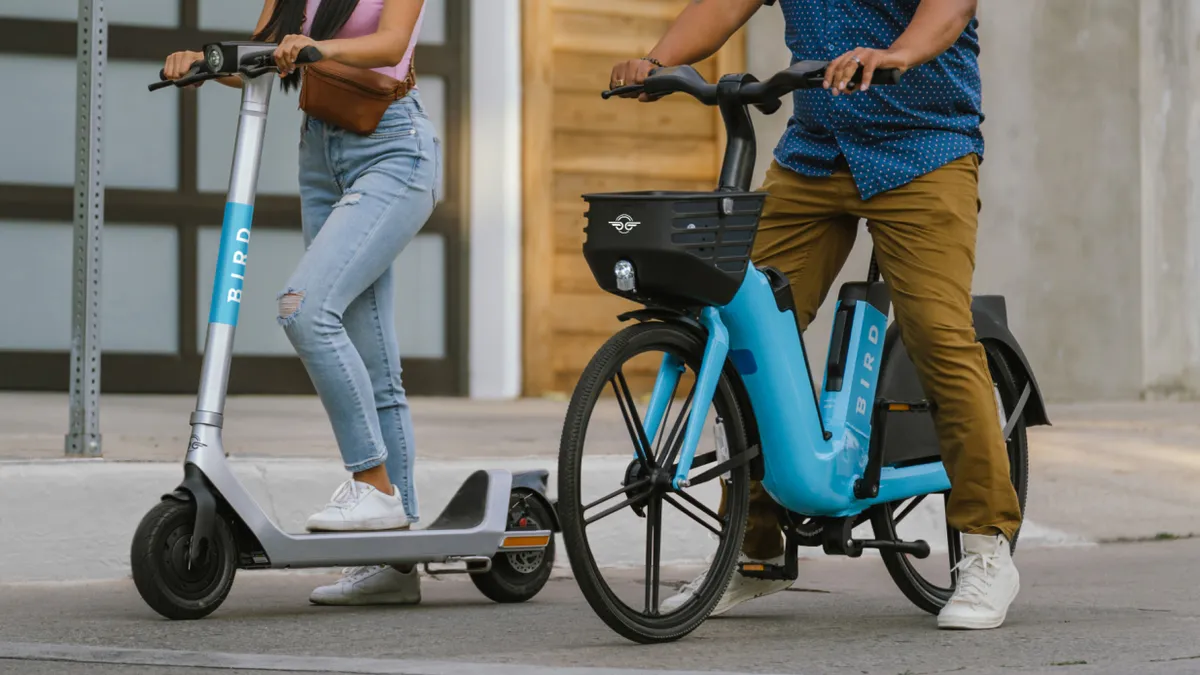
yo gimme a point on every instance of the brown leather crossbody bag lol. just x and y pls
(348, 97)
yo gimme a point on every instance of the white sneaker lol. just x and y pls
(357, 506)
(373, 585)
(740, 589)
(987, 584)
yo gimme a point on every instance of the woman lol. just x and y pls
(363, 198)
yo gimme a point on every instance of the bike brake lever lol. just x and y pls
(628, 89)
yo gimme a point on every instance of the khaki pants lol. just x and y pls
(924, 235)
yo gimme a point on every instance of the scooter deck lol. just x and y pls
(474, 523)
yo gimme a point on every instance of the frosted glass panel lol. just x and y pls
(126, 12)
(139, 287)
(35, 258)
(141, 128)
(39, 124)
(420, 293)
(421, 298)
(433, 26)
(232, 15)
(273, 257)
(140, 304)
(433, 94)
(217, 124)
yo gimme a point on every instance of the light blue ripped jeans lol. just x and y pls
(363, 199)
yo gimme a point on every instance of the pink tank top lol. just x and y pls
(364, 21)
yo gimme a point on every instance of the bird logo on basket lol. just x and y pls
(624, 224)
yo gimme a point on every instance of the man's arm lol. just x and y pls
(696, 34)
(934, 28)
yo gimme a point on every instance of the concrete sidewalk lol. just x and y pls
(1103, 472)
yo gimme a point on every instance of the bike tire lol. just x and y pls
(624, 620)
(922, 592)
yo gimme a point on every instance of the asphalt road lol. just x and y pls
(1114, 608)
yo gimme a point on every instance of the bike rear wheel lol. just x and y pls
(645, 488)
(928, 590)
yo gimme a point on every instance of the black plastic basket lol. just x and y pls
(685, 248)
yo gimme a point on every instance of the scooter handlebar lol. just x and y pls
(253, 68)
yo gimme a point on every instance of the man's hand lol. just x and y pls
(842, 69)
(627, 73)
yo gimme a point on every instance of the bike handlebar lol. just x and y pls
(763, 95)
(253, 65)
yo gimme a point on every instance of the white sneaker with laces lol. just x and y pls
(987, 584)
(740, 589)
(357, 507)
(372, 585)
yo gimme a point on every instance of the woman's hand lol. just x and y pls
(289, 48)
(179, 63)
(841, 69)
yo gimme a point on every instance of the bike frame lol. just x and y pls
(804, 471)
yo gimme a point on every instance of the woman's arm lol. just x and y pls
(385, 47)
(179, 63)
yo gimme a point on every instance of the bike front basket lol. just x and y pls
(672, 248)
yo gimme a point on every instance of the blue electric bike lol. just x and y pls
(861, 450)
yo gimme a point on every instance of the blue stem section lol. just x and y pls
(715, 353)
(231, 264)
(669, 372)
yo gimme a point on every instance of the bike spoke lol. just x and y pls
(908, 509)
(622, 490)
(637, 432)
(662, 424)
(653, 553)
(675, 441)
(613, 509)
(699, 505)
(689, 514)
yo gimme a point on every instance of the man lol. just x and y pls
(905, 158)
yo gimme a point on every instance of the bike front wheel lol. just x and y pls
(640, 505)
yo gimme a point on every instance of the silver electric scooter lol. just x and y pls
(499, 527)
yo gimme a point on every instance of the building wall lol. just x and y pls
(576, 143)
(1091, 217)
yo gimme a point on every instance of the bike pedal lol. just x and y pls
(766, 571)
(908, 406)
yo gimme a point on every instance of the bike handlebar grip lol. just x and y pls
(309, 54)
(770, 107)
(886, 76)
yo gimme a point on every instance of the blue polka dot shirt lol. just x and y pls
(889, 135)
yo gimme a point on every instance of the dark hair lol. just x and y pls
(287, 18)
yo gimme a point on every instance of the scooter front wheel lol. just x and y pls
(166, 579)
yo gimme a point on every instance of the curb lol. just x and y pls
(72, 520)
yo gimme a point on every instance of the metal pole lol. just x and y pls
(83, 437)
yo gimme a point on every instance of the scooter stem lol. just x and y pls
(235, 246)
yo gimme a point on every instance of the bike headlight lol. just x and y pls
(623, 271)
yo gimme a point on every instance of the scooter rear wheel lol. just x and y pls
(518, 576)
(161, 571)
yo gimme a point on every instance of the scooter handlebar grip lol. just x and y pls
(309, 54)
